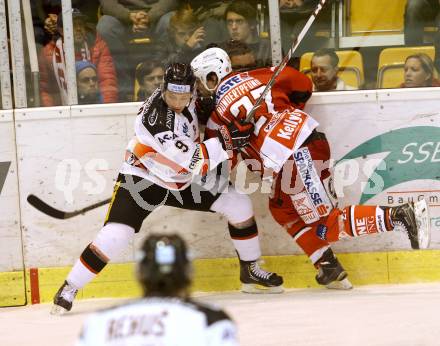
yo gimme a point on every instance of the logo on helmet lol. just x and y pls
(178, 88)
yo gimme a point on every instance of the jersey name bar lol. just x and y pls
(234, 94)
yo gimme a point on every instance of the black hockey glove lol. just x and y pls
(235, 135)
(204, 107)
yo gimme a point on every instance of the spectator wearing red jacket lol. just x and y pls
(53, 88)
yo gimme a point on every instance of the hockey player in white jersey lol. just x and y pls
(165, 315)
(167, 164)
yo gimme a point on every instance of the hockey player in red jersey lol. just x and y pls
(167, 164)
(285, 147)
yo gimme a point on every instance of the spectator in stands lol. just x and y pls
(241, 22)
(45, 14)
(209, 13)
(89, 47)
(419, 72)
(42, 37)
(324, 69)
(242, 57)
(418, 14)
(294, 15)
(123, 20)
(284, 4)
(149, 76)
(184, 40)
(87, 83)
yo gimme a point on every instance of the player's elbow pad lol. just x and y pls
(299, 97)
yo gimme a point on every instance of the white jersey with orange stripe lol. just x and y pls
(167, 149)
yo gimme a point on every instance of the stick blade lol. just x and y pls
(38, 204)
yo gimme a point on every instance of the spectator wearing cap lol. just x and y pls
(87, 83)
(241, 23)
(88, 46)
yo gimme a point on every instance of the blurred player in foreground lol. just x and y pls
(165, 315)
(286, 148)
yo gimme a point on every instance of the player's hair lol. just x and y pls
(244, 9)
(234, 48)
(164, 269)
(426, 62)
(334, 59)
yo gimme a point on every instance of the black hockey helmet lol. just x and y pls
(164, 269)
(179, 78)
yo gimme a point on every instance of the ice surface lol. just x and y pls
(391, 315)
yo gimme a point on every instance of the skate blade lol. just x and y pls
(58, 310)
(344, 284)
(421, 211)
(258, 289)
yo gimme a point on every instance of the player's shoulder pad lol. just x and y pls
(156, 116)
(213, 313)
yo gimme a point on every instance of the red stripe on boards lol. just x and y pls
(35, 286)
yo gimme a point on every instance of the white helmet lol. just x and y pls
(212, 60)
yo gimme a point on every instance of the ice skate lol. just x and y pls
(256, 280)
(62, 302)
(413, 218)
(331, 274)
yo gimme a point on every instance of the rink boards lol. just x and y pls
(69, 156)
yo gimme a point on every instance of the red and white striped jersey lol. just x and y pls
(166, 148)
(280, 124)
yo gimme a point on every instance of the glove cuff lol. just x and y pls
(225, 138)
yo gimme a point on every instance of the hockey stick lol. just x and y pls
(285, 60)
(59, 214)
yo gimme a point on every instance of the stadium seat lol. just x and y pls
(391, 64)
(351, 66)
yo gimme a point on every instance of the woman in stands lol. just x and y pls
(419, 72)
